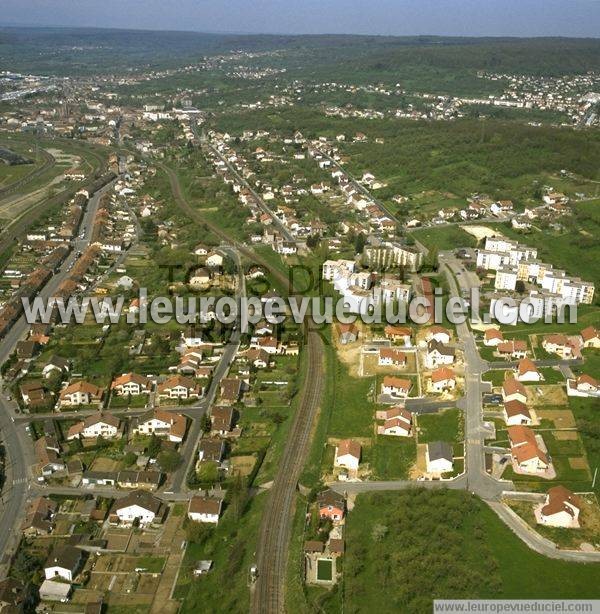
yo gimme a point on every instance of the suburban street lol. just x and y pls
(18, 444)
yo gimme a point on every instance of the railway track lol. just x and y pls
(272, 554)
(49, 163)
(268, 595)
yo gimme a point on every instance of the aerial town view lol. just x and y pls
(299, 306)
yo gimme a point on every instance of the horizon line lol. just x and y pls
(292, 34)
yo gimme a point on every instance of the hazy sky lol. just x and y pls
(400, 17)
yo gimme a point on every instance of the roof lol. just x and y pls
(589, 333)
(558, 498)
(222, 417)
(64, 556)
(330, 497)
(556, 339)
(101, 417)
(396, 422)
(442, 374)
(526, 365)
(524, 444)
(336, 546)
(397, 382)
(204, 505)
(434, 330)
(512, 386)
(126, 378)
(398, 411)
(231, 388)
(445, 350)
(346, 328)
(439, 449)
(314, 546)
(141, 498)
(83, 387)
(177, 380)
(392, 354)
(493, 333)
(516, 408)
(349, 446)
(58, 361)
(212, 449)
(585, 378)
(399, 331)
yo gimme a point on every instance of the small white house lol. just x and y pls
(439, 457)
(347, 454)
(204, 509)
(561, 508)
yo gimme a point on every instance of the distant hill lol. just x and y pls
(87, 50)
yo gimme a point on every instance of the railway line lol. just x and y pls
(268, 594)
(49, 162)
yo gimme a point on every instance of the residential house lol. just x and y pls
(526, 452)
(100, 425)
(438, 354)
(347, 333)
(583, 386)
(35, 395)
(516, 412)
(63, 562)
(513, 390)
(390, 357)
(347, 454)
(590, 337)
(179, 387)
(439, 457)
(513, 349)
(131, 383)
(438, 333)
(442, 379)
(162, 424)
(222, 418)
(331, 505)
(560, 344)
(138, 506)
(527, 371)
(205, 509)
(39, 517)
(397, 422)
(561, 508)
(396, 387)
(492, 337)
(211, 450)
(47, 454)
(401, 334)
(231, 390)
(56, 364)
(80, 393)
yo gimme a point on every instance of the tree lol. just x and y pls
(196, 532)
(359, 243)
(205, 423)
(153, 446)
(129, 459)
(520, 286)
(169, 460)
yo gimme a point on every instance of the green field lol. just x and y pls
(445, 544)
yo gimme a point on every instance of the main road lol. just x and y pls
(17, 443)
